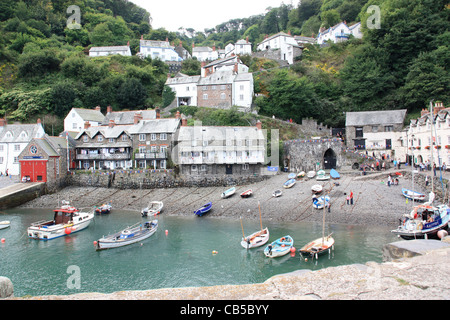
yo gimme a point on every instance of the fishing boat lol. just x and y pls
(424, 221)
(413, 195)
(316, 189)
(277, 193)
(228, 193)
(204, 209)
(289, 184)
(67, 220)
(154, 208)
(292, 175)
(311, 174)
(4, 224)
(321, 175)
(301, 174)
(334, 174)
(103, 209)
(256, 239)
(318, 246)
(319, 202)
(279, 247)
(129, 235)
(246, 193)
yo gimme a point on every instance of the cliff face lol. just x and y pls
(422, 277)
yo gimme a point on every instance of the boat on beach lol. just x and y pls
(203, 209)
(154, 208)
(292, 175)
(316, 189)
(311, 174)
(413, 195)
(334, 174)
(256, 239)
(319, 202)
(279, 247)
(129, 235)
(103, 209)
(228, 193)
(246, 193)
(301, 174)
(277, 193)
(321, 175)
(4, 224)
(67, 220)
(289, 184)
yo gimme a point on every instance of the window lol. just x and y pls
(1, 160)
(241, 87)
(203, 167)
(124, 137)
(142, 149)
(205, 96)
(141, 164)
(194, 167)
(142, 137)
(223, 96)
(163, 136)
(1, 146)
(85, 138)
(359, 132)
(74, 125)
(111, 140)
(100, 138)
(153, 136)
(153, 148)
(16, 159)
(374, 128)
(241, 97)
(17, 147)
(245, 166)
(388, 128)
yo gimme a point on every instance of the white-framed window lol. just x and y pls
(1, 160)
(74, 125)
(142, 137)
(142, 149)
(163, 136)
(17, 147)
(100, 138)
(203, 167)
(112, 140)
(205, 96)
(153, 136)
(124, 137)
(153, 149)
(85, 138)
(142, 164)
(194, 167)
(245, 166)
(223, 96)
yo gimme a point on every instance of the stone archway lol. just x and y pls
(329, 159)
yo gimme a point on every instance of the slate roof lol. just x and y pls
(127, 117)
(110, 48)
(31, 130)
(375, 117)
(90, 114)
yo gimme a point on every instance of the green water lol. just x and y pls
(184, 257)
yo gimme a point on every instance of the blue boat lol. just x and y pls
(289, 184)
(334, 174)
(204, 209)
(279, 247)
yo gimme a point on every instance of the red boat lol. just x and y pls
(247, 193)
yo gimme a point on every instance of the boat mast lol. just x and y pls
(431, 143)
(260, 219)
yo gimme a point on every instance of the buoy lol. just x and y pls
(167, 232)
(292, 250)
(442, 234)
(3, 240)
(95, 243)
(67, 230)
(306, 259)
(214, 252)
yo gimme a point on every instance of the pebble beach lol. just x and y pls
(375, 203)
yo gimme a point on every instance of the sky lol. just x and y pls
(201, 14)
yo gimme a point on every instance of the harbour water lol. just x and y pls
(183, 257)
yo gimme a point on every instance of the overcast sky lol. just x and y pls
(201, 14)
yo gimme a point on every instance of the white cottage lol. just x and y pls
(111, 50)
(77, 117)
(284, 44)
(339, 32)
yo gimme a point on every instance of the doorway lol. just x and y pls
(329, 159)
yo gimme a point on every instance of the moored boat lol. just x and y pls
(67, 220)
(321, 175)
(103, 209)
(256, 239)
(318, 246)
(4, 224)
(413, 195)
(246, 193)
(279, 247)
(204, 209)
(154, 208)
(289, 184)
(129, 235)
(228, 193)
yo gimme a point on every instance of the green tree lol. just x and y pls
(131, 94)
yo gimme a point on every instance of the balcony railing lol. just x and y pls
(150, 156)
(104, 156)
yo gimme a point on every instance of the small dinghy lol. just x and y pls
(246, 193)
(301, 174)
(318, 246)
(321, 176)
(228, 193)
(413, 195)
(154, 208)
(279, 247)
(4, 224)
(292, 175)
(277, 193)
(316, 189)
(311, 174)
(318, 202)
(289, 184)
(256, 239)
(103, 209)
(204, 209)
(133, 234)
(334, 174)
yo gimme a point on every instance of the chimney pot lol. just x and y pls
(39, 121)
(178, 115)
(86, 124)
(158, 113)
(2, 122)
(97, 108)
(111, 123)
(108, 109)
(258, 125)
(183, 122)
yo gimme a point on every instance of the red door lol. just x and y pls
(35, 170)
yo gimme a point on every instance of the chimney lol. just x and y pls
(258, 125)
(137, 117)
(180, 44)
(193, 45)
(246, 39)
(108, 109)
(142, 37)
(97, 108)
(235, 67)
(423, 112)
(158, 113)
(183, 121)
(128, 43)
(111, 123)
(214, 47)
(438, 106)
(2, 122)
(289, 32)
(86, 124)
(38, 121)
(178, 115)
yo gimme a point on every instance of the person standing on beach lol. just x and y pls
(351, 197)
(389, 181)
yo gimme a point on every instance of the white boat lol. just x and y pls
(322, 176)
(256, 239)
(277, 193)
(279, 247)
(413, 195)
(4, 224)
(228, 193)
(154, 208)
(311, 174)
(318, 246)
(301, 174)
(317, 188)
(289, 184)
(318, 202)
(129, 235)
(67, 220)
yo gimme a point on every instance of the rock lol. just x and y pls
(6, 288)
(410, 248)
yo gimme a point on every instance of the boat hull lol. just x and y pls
(246, 194)
(289, 184)
(56, 231)
(114, 240)
(153, 209)
(280, 247)
(317, 246)
(318, 203)
(228, 193)
(256, 239)
(4, 224)
(413, 195)
(203, 210)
